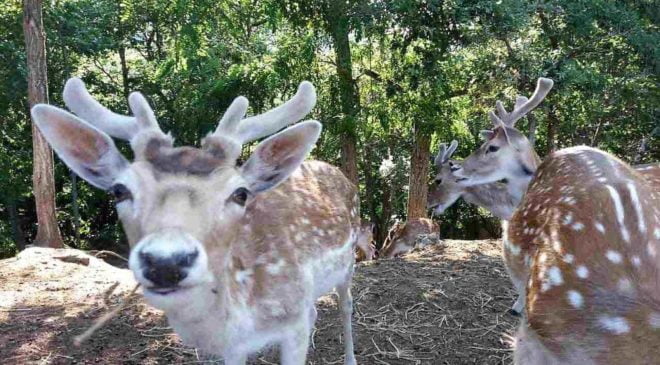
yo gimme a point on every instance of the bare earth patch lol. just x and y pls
(444, 304)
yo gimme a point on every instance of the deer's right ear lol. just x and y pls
(90, 153)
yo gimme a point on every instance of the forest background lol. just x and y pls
(394, 79)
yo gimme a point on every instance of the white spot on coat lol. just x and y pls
(582, 272)
(613, 256)
(599, 227)
(575, 298)
(618, 207)
(616, 325)
(554, 274)
(641, 224)
(577, 226)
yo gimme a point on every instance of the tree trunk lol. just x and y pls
(419, 173)
(348, 92)
(74, 206)
(552, 131)
(532, 129)
(43, 180)
(19, 236)
(122, 52)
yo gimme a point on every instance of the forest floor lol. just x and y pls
(444, 304)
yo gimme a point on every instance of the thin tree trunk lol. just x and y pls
(532, 129)
(43, 180)
(19, 236)
(122, 52)
(419, 172)
(74, 205)
(338, 23)
(552, 131)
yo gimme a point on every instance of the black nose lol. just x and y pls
(166, 272)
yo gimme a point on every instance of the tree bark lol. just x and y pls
(43, 180)
(19, 236)
(338, 23)
(552, 131)
(532, 129)
(419, 172)
(122, 52)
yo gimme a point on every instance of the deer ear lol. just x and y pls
(451, 149)
(487, 135)
(87, 151)
(278, 156)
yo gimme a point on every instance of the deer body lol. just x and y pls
(403, 236)
(234, 255)
(593, 295)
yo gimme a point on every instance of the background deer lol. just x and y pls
(507, 154)
(366, 248)
(444, 192)
(235, 255)
(403, 237)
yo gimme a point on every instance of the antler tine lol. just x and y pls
(543, 87)
(265, 124)
(229, 122)
(78, 100)
(440, 157)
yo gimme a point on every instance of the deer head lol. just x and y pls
(445, 190)
(506, 153)
(180, 206)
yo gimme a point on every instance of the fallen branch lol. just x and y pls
(104, 319)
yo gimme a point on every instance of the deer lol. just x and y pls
(403, 237)
(235, 255)
(516, 164)
(366, 248)
(582, 247)
(445, 191)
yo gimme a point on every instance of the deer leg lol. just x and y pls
(346, 310)
(293, 349)
(519, 306)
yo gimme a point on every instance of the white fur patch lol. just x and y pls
(575, 298)
(613, 256)
(616, 325)
(654, 319)
(554, 274)
(618, 207)
(641, 224)
(599, 226)
(577, 226)
(582, 272)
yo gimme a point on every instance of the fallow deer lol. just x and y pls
(234, 255)
(445, 191)
(403, 236)
(366, 249)
(507, 154)
(582, 248)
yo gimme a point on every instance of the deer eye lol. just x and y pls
(492, 148)
(438, 181)
(240, 196)
(120, 192)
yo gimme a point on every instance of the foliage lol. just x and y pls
(439, 64)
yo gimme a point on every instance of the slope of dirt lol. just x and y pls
(444, 304)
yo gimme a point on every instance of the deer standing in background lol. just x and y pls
(494, 197)
(582, 248)
(234, 255)
(403, 237)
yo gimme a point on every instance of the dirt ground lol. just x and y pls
(444, 304)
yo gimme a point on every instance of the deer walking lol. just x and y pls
(236, 256)
(582, 248)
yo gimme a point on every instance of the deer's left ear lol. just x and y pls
(278, 156)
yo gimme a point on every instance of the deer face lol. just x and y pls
(445, 190)
(181, 208)
(505, 154)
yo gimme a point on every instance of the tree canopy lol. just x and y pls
(391, 76)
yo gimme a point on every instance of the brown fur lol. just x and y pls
(404, 235)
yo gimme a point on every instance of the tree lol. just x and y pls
(43, 180)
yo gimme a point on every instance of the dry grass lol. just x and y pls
(445, 304)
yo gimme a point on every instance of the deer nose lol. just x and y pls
(169, 271)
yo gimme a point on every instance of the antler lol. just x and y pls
(232, 132)
(445, 153)
(522, 106)
(138, 129)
